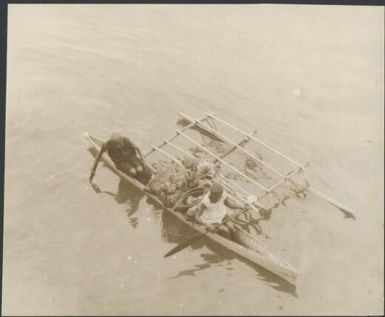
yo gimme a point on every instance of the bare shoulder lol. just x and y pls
(128, 141)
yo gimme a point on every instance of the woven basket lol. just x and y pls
(182, 206)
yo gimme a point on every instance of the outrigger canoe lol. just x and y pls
(259, 254)
(269, 195)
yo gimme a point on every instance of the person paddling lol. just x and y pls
(126, 156)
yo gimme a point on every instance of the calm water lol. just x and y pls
(308, 79)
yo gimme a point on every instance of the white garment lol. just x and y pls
(214, 212)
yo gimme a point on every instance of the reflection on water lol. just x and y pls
(219, 256)
(126, 194)
(209, 258)
(175, 231)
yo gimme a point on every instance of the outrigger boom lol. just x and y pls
(211, 129)
(300, 168)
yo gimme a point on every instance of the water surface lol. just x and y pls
(309, 79)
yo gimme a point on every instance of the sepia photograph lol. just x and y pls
(193, 159)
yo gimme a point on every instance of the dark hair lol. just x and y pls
(216, 188)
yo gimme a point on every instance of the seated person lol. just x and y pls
(212, 210)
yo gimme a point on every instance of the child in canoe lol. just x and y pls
(213, 209)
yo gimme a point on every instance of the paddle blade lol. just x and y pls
(184, 245)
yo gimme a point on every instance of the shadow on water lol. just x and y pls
(174, 231)
(126, 194)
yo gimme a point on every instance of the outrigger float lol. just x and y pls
(241, 173)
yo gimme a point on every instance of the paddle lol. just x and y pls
(185, 244)
(251, 199)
